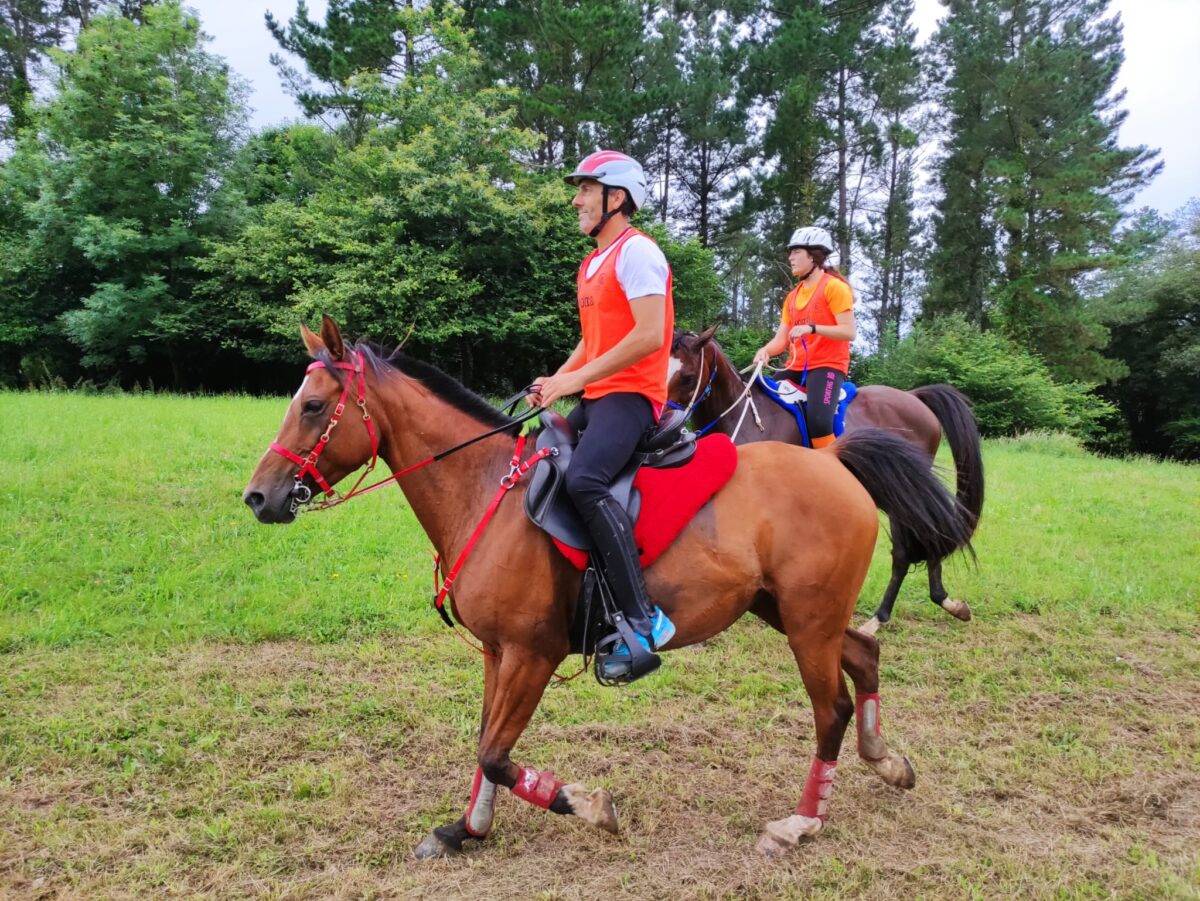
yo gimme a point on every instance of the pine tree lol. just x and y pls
(388, 39)
(704, 142)
(579, 67)
(1033, 179)
(891, 237)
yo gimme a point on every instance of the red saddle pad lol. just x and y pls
(671, 497)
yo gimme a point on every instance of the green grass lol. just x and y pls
(193, 703)
(121, 519)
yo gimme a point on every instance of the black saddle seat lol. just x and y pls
(549, 507)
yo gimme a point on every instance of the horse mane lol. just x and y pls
(449, 389)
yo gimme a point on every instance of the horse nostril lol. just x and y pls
(254, 500)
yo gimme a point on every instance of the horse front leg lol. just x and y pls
(520, 679)
(860, 659)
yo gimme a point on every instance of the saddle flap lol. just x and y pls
(546, 502)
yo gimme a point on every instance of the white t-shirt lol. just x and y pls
(641, 268)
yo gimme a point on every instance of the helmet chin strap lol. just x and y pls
(811, 270)
(608, 214)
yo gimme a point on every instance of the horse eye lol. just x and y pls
(314, 406)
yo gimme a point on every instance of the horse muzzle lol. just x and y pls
(277, 507)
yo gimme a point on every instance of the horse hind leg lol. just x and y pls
(819, 668)
(514, 694)
(938, 594)
(899, 570)
(860, 658)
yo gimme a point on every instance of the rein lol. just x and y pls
(302, 494)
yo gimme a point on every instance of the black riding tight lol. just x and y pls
(823, 386)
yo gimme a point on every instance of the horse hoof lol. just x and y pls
(781, 836)
(958, 609)
(433, 848)
(894, 769)
(870, 627)
(595, 807)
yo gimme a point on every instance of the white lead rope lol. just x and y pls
(749, 405)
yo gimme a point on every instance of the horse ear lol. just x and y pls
(707, 335)
(311, 341)
(332, 336)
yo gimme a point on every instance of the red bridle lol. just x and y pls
(308, 465)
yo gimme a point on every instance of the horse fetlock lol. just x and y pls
(782, 836)
(894, 769)
(593, 806)
(956, 608)
(871, 626)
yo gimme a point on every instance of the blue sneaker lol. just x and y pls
(662, 630)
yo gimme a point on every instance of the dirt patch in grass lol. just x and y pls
(1052, 759)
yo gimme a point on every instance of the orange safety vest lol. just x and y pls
(822, 351)
(605, 318)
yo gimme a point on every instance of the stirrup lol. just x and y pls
(621, 669)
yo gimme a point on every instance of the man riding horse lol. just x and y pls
(626, 315)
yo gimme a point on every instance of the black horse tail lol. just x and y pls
(953, 411)
(898, 478)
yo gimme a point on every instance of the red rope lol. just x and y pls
(516, 470)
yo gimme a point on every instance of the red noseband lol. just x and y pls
(308, 465)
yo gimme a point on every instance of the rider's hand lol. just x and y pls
(534, 397)
(761, 356)
(562, 385)
(800, 331)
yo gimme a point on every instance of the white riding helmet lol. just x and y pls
(616, 170)
(811, 236)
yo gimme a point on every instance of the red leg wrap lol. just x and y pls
(536, 788)
(815, 800)
(482, 807)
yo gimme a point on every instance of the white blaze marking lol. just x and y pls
(673, 367)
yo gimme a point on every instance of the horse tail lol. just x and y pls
(932, 522)
(953, 411)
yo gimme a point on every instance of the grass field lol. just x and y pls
(193, 704)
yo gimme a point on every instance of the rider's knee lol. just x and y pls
(582, 486)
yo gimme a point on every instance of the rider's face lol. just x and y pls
(801, 260)
(588, 202)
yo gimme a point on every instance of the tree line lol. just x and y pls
(975, 186)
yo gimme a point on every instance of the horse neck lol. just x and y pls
(727, 387)
(778, 424)
(449, 496)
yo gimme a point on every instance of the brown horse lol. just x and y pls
(701, 375)
(516, 594)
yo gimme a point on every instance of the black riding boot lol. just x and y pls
(617, 554)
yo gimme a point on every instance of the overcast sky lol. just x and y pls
(1161, 76)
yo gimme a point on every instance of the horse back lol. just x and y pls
(884, 407)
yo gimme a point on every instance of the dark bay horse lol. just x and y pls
(516, 594)
(702, 375)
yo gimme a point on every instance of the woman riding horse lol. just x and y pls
(817, 326)
(703, 379)
(517, 592)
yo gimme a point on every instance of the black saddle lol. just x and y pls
(549, 507)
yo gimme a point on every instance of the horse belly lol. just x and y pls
(791, 521)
